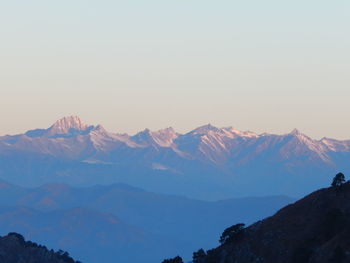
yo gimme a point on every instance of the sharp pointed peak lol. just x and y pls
(300, 136)
(209, 126)
(99, 127)
(145, 132)
(296, 132)
(205, 129)
(70, 120)
(67, 123)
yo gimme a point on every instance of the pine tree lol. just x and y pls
(338, 180)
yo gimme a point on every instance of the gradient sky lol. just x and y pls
(265, 66)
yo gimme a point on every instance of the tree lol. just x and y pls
(19, 237)
(199, 256)
(232, 233)
(173, 260)
(338, 180)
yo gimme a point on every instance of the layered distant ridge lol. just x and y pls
(206, 151)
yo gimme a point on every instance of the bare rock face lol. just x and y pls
(315, 229)
(14, 249)
(66, 124)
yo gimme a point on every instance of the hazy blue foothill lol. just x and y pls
(108, 222)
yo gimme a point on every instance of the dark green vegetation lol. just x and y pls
(199, 256)
(176, 259)
(233, 233)
(14, 249)
(338, 180)
(316, 229)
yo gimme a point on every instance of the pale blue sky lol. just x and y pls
(266, 66)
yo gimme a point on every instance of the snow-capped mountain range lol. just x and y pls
(75, 152)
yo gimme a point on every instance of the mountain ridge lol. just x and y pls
(209, 135)
(315, 228)
(221, 159)
(69, 125)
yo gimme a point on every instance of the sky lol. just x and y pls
(265, 66)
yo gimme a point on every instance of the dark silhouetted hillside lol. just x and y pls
(315, 229)
(14, 249)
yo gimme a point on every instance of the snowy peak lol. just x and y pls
(335, 145)
(72, 138)
(233, 133)
(300, 136)
(71, 122)
(163, 138)
(202, 130)
(99, 129)
(296, 132)
(307, 141)
(143, 137)
(228, 132)
(67, 124)
(296, 144)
